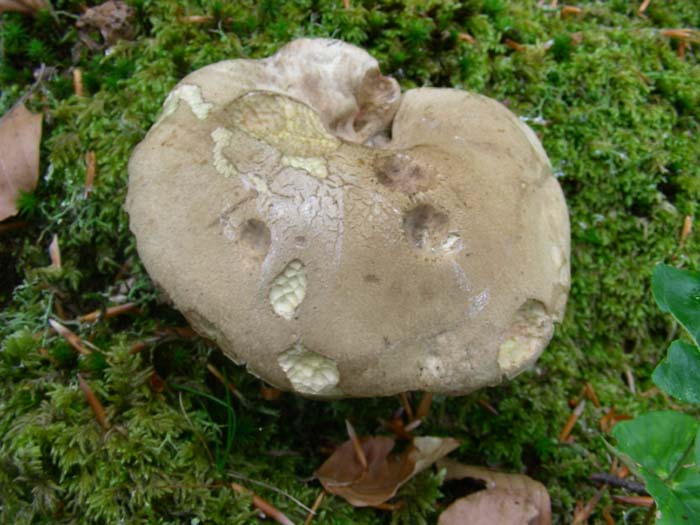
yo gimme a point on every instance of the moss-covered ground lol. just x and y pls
(618, 111)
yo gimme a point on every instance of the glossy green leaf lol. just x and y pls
(662, 447)
(678, 504)
(678, 292)
(679, 373)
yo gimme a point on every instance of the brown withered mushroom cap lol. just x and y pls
(344, 239)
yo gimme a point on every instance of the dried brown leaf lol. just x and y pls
(114, 20)
(28, 7)
(509, 499)
(343, 474)
(429, 449)
(488, 507)
(20, 134)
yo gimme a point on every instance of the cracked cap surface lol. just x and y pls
(344, 239)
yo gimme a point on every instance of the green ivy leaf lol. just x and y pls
(678, 292)
(679, 373)
(661, 445)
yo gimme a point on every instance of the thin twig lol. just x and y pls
(466, 37)
(55, 252)
(94, 403)
(609, 520)
(516, 46)
(570, 10)
(264, 506)
(413, 425)
(112, 311)
(687, 228)
(69, 336)
(197, 19)
(272, 488)
(630, 380)
(643, 7)
(684, 34)
(590, 393)
(227, 384)
(424, 406)
(78, 81)
(488, 406)
(194, 429)
(356, 445)
(615, 481)
(573, 418)
(611, 418)
(585, 513)
(42, 74)
(314, 507)
(90, 170)
(406, 406)
(637, 501)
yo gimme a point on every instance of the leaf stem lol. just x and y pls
(681, 461)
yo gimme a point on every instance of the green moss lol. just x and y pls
(618, 112)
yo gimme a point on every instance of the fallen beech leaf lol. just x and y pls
(509, 499)
(343, 475)
(113, 19)
(20, 134)
(429, 449)
(28, 7)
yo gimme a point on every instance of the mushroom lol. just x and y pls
(341, 238)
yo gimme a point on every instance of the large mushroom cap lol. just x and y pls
(343, 239)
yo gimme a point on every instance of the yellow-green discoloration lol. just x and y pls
(289, 289)
(192, 95)
(314, 166)
(289, 126)
(222, 139)
(309, 372)
(515, 352)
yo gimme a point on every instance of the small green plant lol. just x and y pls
(663, 448)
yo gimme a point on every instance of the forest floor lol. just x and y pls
(613, 95)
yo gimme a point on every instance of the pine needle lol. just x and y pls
(94, 403)
(69, 336)
(264, 506)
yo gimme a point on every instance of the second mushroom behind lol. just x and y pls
(342, 238)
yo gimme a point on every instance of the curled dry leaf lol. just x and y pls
(509, 499)
(114, 20)
(20, 134)
(28, 7)
(343, 474)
